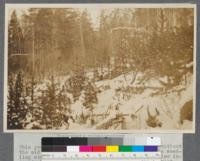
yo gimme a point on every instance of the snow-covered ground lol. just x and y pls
(124, 104)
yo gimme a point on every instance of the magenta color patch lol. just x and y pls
(85, 148)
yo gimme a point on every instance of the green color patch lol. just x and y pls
(125, 148)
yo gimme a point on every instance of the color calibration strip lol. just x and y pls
(82, 141)
(101, 148)
(92, 144)
(117, 148)
(107, 148)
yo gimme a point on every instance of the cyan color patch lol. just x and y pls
(138, 148)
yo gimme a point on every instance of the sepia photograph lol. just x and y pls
(116, 68)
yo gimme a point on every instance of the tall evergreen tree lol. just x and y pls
(17, 105)
(16, 61)
(15, 36)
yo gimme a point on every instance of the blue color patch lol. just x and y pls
(138, 148)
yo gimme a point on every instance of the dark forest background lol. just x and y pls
(63, 38)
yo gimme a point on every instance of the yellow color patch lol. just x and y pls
(112, 148)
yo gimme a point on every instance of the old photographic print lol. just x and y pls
(100, 68)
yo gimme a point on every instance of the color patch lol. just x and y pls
(138, 148)
(72, 148)
(150, 148)
(59, 148)
(85, 149)
(125, 148)
(99, 148)
(112, 148)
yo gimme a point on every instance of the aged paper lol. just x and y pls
(27, 147)
(100, 68)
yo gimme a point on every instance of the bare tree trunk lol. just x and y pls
(33, 52)
(82, 40)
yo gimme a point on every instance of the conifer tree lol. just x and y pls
(15, 44)
(15, 36)
(90, 96)
(17, 105)
(76, 83)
